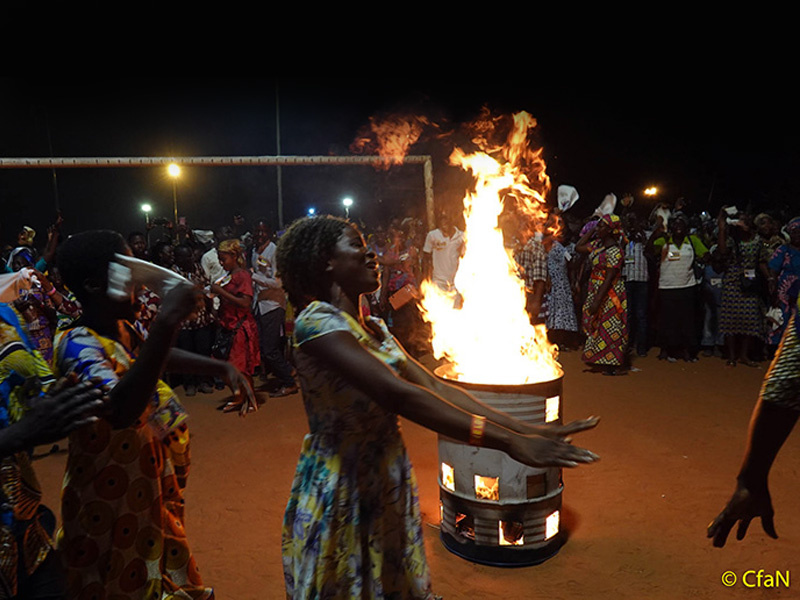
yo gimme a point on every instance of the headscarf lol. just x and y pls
(23, 251)
(614, 223)
(760, 218)
(233, 246)
(26, 235)
(793, 225)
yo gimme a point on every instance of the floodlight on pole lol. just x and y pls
(146, 209)
(312, 211)
(174, 171)
(348, 202)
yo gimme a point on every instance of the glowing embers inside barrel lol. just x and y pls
(552, 408)
(465, 526)
(487, 488)
(448, 477)
(510, 533)
(552, 524)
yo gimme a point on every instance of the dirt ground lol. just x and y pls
(670, 440)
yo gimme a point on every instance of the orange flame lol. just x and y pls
(490, 338)
(390, 137)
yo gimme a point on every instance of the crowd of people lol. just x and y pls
(325, 307)
(619, 285)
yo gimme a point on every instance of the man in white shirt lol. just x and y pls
(269, 307)
(443, 248)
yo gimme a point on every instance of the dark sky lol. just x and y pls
(718, 145)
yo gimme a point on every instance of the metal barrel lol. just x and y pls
(495, 510)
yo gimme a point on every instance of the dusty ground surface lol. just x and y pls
(671, 440)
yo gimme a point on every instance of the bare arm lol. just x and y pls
(342, 353)
(770, 426)
(242, 301)
(182, 361)
(416, 373)
(129, 397)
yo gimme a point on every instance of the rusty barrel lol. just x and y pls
(495, 510)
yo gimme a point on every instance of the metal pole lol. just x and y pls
(175, 202)
(278, 151)
(427, 168)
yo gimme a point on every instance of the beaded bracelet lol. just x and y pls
(476, 430)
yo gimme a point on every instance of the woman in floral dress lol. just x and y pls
(562, 324)
(352, 527)
(784, 266)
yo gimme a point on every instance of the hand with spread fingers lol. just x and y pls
(743, 507)
(66, 407)
(538, 451)
(562, 432)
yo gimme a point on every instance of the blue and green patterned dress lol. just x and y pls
(352, 527)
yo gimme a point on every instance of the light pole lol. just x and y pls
(174, 171)
(146, 208)
(348, 202)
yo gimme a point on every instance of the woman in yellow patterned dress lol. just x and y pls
(352, 527)
(122, 502)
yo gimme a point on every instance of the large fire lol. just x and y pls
(486, 334)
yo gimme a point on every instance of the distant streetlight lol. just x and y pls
(348, 202)
(651, 191)
(174, 171)
(146, 209)
(312, 211)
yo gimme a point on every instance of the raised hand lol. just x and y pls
(66, 407)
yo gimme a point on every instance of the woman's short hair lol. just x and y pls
(303, 254)
(85, 256)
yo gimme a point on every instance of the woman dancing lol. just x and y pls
(352, 527)
(122, 503)
(605, 311)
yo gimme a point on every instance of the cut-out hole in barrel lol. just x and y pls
(487, 488)
(465, 526)
(552, 407)
(448, 477)
(552, 524)
(511, 533)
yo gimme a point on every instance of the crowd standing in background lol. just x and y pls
(615, 285)
(690, 284)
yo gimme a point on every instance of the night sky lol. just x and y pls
(714, 146)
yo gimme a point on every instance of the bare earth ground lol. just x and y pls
(671, 439)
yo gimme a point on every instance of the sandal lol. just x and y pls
(232, 406)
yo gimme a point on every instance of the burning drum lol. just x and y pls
(495, 510)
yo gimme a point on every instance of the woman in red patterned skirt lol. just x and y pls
(605, 311)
